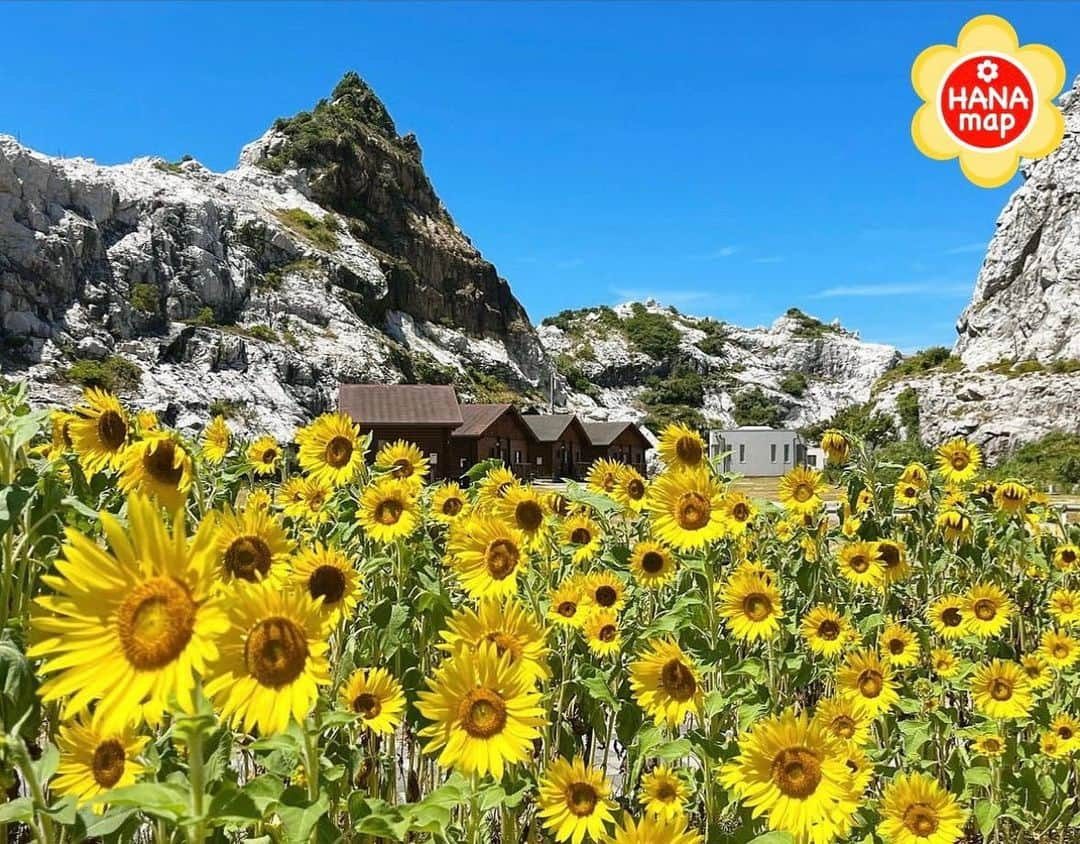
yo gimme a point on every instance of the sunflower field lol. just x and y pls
(216, 639)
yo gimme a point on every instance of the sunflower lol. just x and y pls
(449, 503)
(60, 434)
(129, 627)
(752, 606)
(264, 455)
(835, 445)
(1001, 690)
(495, 484)
(388, 510)
(404, 461)
(954, 525)
(583, 535)
(508, 626)
(94, 760)
(488, 556)
(485, 712)
(917, 474)
(1065, 557)
(894, 559)
(157, 466)
(867, 682)
(666, 682)
(906, 495)
(958, 461)
(601, 631)
(98, 431)
(1052, 746)
(255, 499)
(850, 527)
(573, 801)
(331, 449)
(682, 448)
(663, 793)
(841, 718)
(375, 696)
(604, 590)
(915, 809)
(686, 509)
(272, 659)
(568, 606)
(1064, 606)
(989, 745)
(800, 490)
(523, 507)
(861, 563)
(860, 766)
(652, 564)
(793, 770)
(899, 647)
(739, 511)
(630, 489)
(948, 616)
(1059, 649)
(326, 573)
(1037, 671)
(215, 442)
(825, 630)
(944, 662)
(251, 546)
(864, 502)
(1011, 497)
(654, 829)
(306, 498)
(603, 475)
(1067, 728)
(987, 609)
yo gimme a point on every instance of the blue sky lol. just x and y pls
(732, 159)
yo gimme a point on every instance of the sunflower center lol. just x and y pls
(688, 450)
(678, 680)
(155, 622)
(652, 562)
(951, 617)
(802, 492)
(580, 536)
(248, 557)
(608, 633)
(108, 763)
(959, 461)
(921, 819)
(339, 451)
(581, 799)
(504, 644)
(606, 596)
(275, 652)
(859, 563)
(502, 558)
(482, 713)
(741, 511)
(111, 429)
(692, 511)
(159, 464)
(529, 516)
(890, 555)
(1060, 650)
(366, 705)
(503, 488)
(796, 771)
(757, 606)
(843, 726)
(269, 456)
(635, 489)
(451, 506)
(896, 646)
(567, 609)
(388, 512)
(984, 609)
(1068, 556)
(402, 468)
(1065, 731)
(1000, 689)
(991, 745)
(870, 683)
(666, 792)
(327, 582)
(828, 630)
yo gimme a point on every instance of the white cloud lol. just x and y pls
(722, 252)
(868, 290)
(965, 248)
(768, 259)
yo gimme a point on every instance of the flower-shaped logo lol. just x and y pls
(987, 100)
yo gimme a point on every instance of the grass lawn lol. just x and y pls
(766, 488)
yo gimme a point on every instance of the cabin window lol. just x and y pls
(433, 458)
(742, 452)
(517, 456)
(787, 453)
(772, 453)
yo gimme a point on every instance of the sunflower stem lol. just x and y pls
(43, 828)
(197, 777)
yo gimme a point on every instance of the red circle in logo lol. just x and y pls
(987, 101)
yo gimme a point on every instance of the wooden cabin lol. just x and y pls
(493, 431)
(561, 448)
(622, 442)
(424, 414)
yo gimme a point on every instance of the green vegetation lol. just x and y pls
(489, 389)
(229, 408)
(753, 407)
(863, 420)
(318, 232)
(652, 333)
(1013, 368)
(575, 376)
(205, 317)
(426, 369)
(1054, 459)
(571, 320)
(114, 373)
(683, 386)
(808, 326)
(145, 297)
(658, 417)
(272, 279)
(794, 384)
(716, 335)
(258, 332)
(907, 408)
(933, 359)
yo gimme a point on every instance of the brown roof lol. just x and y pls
(479, 417)
(548, 428)
(421, 405)
(605, 433)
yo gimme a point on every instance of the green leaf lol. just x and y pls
(978, 776)
(159, 799)
(231, 805)
(377, 818)
(99, 826)
(986, 814)
(299, 816)
(20, 809)
(774, 837)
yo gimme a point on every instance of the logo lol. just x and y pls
(988, 101)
